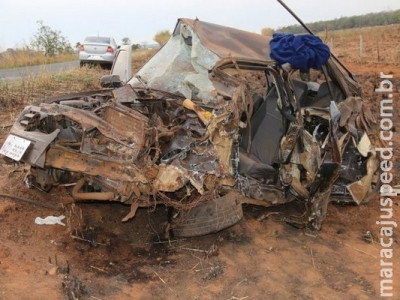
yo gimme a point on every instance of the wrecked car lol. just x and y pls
(209, 123)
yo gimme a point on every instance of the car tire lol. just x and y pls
(209, 217)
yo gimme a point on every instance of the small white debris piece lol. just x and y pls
(50, 220)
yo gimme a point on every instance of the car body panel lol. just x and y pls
(122, 66)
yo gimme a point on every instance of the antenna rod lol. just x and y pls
(295, 16)
(310, 32)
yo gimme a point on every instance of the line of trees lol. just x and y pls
(371, 19)
(52, 42)
(161, 37)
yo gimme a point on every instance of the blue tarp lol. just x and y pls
(301, 51)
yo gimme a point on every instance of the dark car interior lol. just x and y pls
(260, 140)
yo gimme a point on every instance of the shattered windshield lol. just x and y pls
(183, 65)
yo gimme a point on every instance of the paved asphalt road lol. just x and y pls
(17, 73)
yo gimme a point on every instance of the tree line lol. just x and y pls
(51, 42)
(371, 19)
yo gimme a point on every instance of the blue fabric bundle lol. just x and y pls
(301, 51)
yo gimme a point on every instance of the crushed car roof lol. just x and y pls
(226, 41)
(183, 65)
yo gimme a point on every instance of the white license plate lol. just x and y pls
(95, 57)
(14, 147)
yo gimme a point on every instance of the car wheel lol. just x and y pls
(209, 217)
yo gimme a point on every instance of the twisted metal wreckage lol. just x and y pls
(209, 123)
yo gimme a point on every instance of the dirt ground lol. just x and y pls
(95, 256)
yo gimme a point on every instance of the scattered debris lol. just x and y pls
(215, 271)
(53, 271)
(359, 250)
(265, 216)
(308, 232)
(213, 251)
(312, 257)
(45, 205)
(368, 237)
(91, 242)
(99, 269)
(73, 288)
(270, 249)
(50, 220)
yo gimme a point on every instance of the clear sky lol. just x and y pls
(141, 19)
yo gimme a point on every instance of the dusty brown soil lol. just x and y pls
(97, 257)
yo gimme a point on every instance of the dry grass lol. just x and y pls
(25, 57)
(380, 44)
(13, 95)
(140, 57)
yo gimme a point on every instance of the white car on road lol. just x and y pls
(98, 50)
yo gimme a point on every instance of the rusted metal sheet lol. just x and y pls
(124, 94)
(90, 164)
(360, 189)
(89, 120)
(170, 178)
